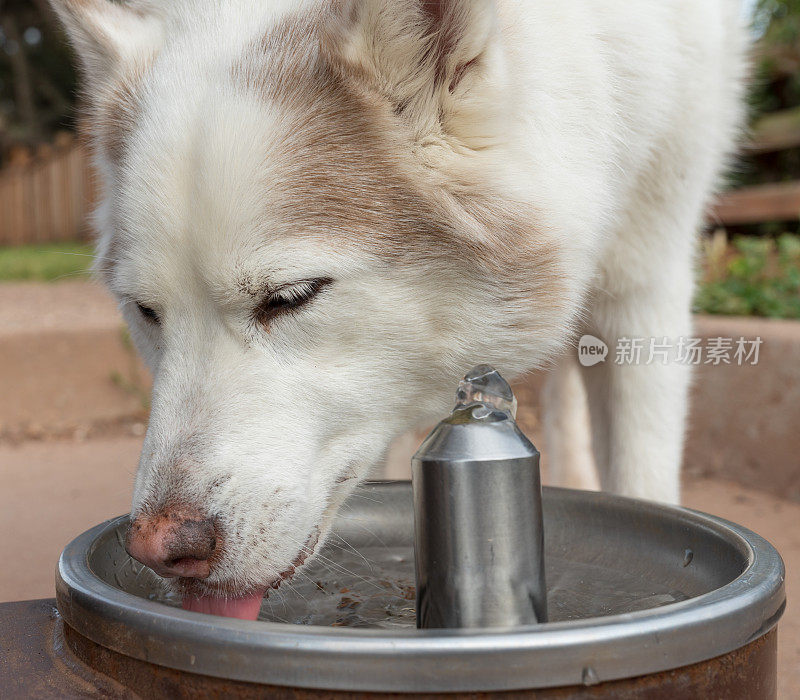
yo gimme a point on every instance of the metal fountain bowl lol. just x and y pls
(633, 588)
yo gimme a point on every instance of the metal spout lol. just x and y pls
(479, 546)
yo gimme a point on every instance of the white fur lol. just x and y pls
(609, 119)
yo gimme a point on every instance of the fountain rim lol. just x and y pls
(554, 654)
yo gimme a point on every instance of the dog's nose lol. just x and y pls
(176, 542)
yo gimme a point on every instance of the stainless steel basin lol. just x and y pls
(634, 588)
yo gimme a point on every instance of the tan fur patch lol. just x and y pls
(349, 174)
(115, 123)
(115, 111)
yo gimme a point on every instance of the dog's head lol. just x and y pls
(314, 223)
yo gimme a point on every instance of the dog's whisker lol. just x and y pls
(366, 498)
(353, 549)
(333, 564)
(85, 255)
(360, 523)
(273, 613)
(75, 273)
(343, 570)
(296, 591)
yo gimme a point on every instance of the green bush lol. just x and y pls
(760, 277)
(45, 263)
(776, 83)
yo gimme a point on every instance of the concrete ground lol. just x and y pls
(66, 365)
(54, 490)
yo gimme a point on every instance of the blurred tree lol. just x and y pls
(776, 89)
(777, 23)
(37, 80)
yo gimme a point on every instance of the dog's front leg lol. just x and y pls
(568, 447)
(638, 396)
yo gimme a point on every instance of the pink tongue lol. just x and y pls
(245, 608)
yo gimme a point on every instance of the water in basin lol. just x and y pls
(365, 577)
(375, 588)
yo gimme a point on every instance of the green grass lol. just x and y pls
(46, 262)
(752, 277)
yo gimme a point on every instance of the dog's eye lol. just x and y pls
(148, 313)
(289, 298)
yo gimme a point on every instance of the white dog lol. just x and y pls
(318, 214)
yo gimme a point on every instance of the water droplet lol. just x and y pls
(589, 676)
(688, 555)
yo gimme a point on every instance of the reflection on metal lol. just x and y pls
(478, 543)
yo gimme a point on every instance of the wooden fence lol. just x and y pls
(47, 196)
(778, 201)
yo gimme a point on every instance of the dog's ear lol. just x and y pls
(439, 62)
(107, 35)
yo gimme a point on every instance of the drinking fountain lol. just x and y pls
(478, 544)
(439, 587)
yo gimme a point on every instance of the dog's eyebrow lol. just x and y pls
(117, 284)
(259, 286)
(107, 258)
(250, 285)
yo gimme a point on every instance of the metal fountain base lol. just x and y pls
(44, 658)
